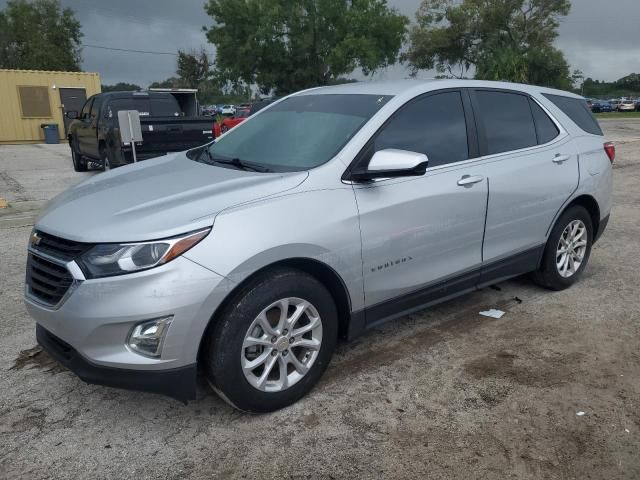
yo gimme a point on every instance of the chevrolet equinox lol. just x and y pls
(326, 213)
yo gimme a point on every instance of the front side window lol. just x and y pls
(507, 120)
(86, 109)
(434, 125)
(299, 133)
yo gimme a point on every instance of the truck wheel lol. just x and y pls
(79, 162)
(105, 164)
(272, 342)
(567, 251)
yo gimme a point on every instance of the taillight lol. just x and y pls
(610, 150)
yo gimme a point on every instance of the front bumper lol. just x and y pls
(89, 330)
(178, 383)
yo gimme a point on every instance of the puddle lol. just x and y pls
(37, 358)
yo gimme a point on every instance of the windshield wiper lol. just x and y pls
(236, 162)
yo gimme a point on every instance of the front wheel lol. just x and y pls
(80, 163)
(272, 343)
(105, 163)
(567, 251)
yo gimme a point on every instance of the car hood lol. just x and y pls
(155, 199)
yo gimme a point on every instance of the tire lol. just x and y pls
(550, 274)
(105, 163)
(225, 350)
(79, 162)
(224, 129)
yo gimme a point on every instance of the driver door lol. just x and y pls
(83, 130)
(422, 235)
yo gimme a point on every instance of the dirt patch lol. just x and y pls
(37, 358)
(540, 372)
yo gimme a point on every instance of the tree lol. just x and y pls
(500, 39)
(121, 87)
(171, 82)
(288, 45)
(193, 68)
(39, 35)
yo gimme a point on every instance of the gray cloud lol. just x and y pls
(600, 38)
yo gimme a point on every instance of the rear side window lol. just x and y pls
(545, 128)
(434, 125)
(507, 119)
(578, 111)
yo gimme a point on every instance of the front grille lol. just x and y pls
(60, 247)
(47, 281)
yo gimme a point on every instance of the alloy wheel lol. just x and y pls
(281, 345)
(571, 248)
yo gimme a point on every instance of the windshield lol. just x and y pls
(296, 134)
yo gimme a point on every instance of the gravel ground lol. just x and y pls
(444, 393)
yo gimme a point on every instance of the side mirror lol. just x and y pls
(390, 163)
(72, 114)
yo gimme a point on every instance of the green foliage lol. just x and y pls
(39, 35)
(628, 86)
(171, 82)
(193, 68)
(121, 87)
(288, 45)
(501, 39)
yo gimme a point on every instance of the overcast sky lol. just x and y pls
(601, 38)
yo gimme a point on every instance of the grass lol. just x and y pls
(618, 115)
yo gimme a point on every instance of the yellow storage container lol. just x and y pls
(29, 98)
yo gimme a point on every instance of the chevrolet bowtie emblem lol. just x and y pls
(35, 239)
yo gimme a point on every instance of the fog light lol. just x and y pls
(147, 337)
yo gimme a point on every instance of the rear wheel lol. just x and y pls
(224, 128)
(273, 341)
(567, 251)
(80, 163)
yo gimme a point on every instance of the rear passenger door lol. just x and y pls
(532, 169)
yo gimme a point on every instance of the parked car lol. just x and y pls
(228, 123)
(626, 106)
(605, 106)
(94, 134)
(243, 106)
(638, 105)
(227, 110)
(329, 212)
(599, 106)
(209, 110)
(614, 102)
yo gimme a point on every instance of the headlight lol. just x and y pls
(118, 258)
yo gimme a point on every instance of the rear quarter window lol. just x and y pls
(578, 111)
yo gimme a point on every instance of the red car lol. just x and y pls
(229, 122)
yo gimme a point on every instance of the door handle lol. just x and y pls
(468, 180)
(560, 158)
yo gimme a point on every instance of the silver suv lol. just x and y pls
(330, 211)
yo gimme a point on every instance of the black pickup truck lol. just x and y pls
(94, 135)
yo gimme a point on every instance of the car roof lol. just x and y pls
(417, 86)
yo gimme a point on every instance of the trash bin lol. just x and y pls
(51, 134)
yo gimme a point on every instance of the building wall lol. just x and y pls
(14, 128)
